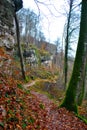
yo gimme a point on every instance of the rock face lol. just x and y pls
(30, 57)
(7, 10)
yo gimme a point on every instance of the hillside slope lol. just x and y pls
(21, 109)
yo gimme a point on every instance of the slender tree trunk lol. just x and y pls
(70, 97)
(19, 47)
(67, 42)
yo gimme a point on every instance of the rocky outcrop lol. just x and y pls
(7, 10)
(6, 22)
(51, 48)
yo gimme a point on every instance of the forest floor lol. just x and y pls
(28, 110)
(57, 118)
(24, 107)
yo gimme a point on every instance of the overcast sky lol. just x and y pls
(53, 20)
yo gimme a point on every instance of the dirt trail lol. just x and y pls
(30, 84)
(56, 119)
(37, 80)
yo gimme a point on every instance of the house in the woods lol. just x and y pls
(7, 11)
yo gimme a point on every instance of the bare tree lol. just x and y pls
(19, 47)
(18, 5)
(71, 29)
(79, 66)
(30, 23)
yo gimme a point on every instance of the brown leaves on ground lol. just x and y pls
(22, 110)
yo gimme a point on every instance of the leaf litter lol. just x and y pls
(21, 109)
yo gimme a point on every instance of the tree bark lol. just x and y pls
(81, 83)
(70, 97)
(19, 47)
(67, 42)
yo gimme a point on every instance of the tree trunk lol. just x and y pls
(81, 83)
(70, 97)
(67, 42)
(19, 47)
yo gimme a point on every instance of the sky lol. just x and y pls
(51, 12)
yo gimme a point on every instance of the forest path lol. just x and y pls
(58, 118)
(54, 118)
(38, 80)
(29, 84)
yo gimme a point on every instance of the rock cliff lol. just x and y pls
(7, 10)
